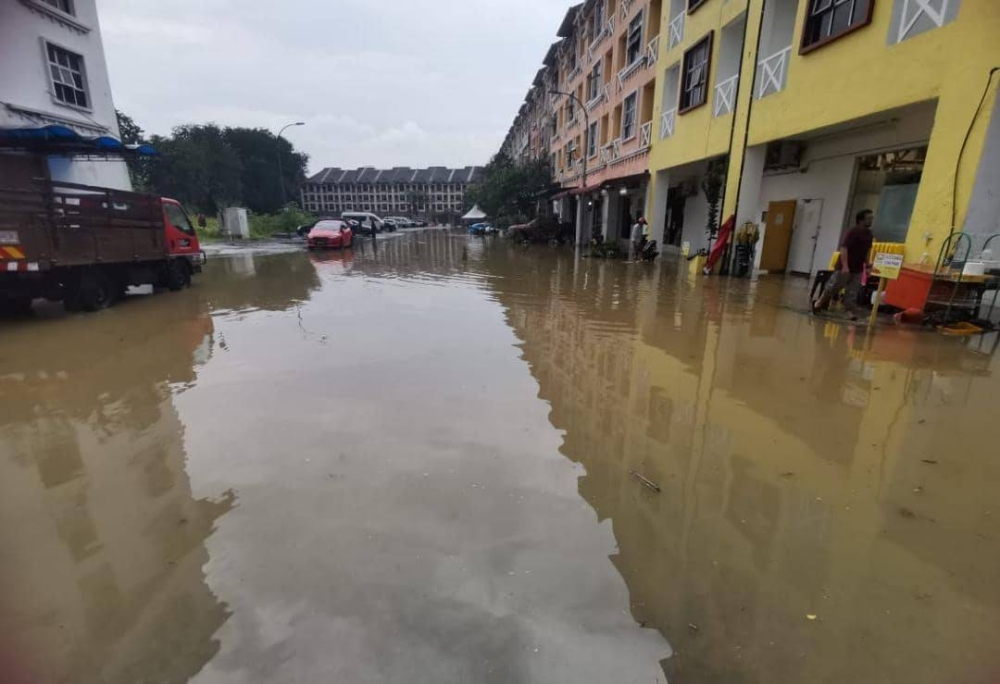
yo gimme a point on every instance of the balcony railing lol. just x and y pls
(645, 135)
(626, 8)
(676, 31)
(772, 73)
(607, 30)
(653, 51)
(667, 123)
(725, 95)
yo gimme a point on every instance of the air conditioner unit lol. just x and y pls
(783, 154)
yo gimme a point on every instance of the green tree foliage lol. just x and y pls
(208, 167)
(509, 191)
(132, 134)
(258, 151)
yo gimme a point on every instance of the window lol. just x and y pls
(66, 70)
(570, 113)
(694, 90)
(592, 140)
(594, 82)
(829, 19)
(598, 19)
(633, 40)
(178, 219)
(63, 5)
(694, 4)
(629, 108)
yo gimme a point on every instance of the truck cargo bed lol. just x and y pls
(67, 224)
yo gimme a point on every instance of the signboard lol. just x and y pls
(686, 248)
(9, 237)
(887, 265)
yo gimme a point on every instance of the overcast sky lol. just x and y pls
(378, 83)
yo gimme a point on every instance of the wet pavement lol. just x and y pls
(455, 460)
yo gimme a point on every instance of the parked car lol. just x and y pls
(331, 234)
(366, 219)
(417, 223)
(482, 229)
(543, 229)
(402, 222)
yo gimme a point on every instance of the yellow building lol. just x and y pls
(821, 108)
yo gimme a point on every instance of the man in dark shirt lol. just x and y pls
(854, 251)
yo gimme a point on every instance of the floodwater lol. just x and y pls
(455, 460)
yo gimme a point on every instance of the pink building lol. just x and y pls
(600, 80)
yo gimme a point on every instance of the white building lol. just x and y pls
(54, 74)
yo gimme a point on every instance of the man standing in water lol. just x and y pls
(854, 250)
(638, 233)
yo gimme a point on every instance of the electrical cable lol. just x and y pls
(961, 151)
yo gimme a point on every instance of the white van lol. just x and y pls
(366, 220)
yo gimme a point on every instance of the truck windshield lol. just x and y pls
(178, 219)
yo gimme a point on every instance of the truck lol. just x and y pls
(86, 245)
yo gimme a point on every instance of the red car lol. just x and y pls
(330, 234)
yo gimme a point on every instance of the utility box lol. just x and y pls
(234, 223)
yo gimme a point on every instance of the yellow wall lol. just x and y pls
(855, 76)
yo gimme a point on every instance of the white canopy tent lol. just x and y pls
(475, 214)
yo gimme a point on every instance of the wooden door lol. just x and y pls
(777, 236)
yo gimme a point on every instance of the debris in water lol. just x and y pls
(906, 512)
(929, 461)
(652, 485)
(693, 627)
(788, 473)
(812, 618)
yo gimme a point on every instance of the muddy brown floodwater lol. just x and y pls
(440, 463)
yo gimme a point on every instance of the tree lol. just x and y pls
(258, 151)
(199, 167)
(509, 191)
(132, 134)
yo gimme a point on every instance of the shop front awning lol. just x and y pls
(62, 140)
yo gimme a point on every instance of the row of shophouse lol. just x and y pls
(815, 109)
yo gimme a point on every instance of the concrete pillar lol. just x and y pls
(580, 214)
(656, 206)
(749, 197)
(605, 215)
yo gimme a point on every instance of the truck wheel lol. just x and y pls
(178, 275)
(92, 291)
(15, 307)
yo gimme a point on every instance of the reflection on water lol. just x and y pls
(339, 467)
(801, 473)
(103, 540)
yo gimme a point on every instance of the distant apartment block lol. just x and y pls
(437, 191)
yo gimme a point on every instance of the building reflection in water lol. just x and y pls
(817, 519)
(103, 541)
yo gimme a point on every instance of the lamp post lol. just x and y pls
(583, 175)
(277, 148)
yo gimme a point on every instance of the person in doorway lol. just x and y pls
(854, 251)
(637, 238)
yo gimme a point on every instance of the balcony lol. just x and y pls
(626, 8)
(667, 123)
(575, 74)
(675, 31)
(772, 73)
(645, 135)
(607, 30)
(725, 95)
(653, 51)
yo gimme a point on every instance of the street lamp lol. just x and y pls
(277, 147)
(583, 177)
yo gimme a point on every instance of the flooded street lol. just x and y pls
(457, 460)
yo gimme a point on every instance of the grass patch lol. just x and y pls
(262, 226)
